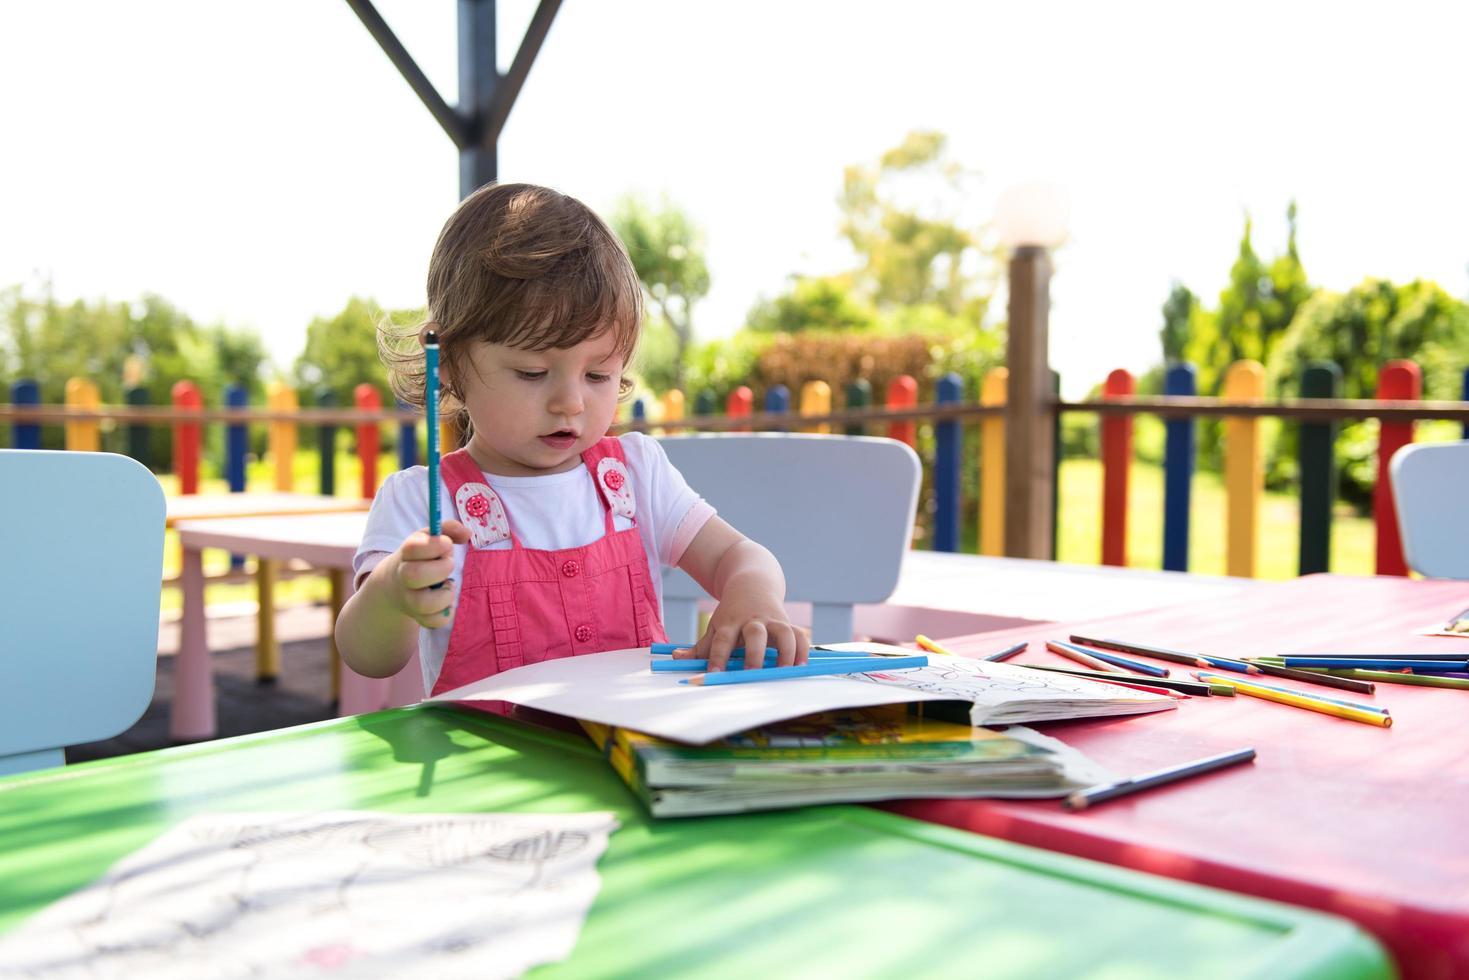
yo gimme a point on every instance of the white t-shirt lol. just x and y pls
(548, 513)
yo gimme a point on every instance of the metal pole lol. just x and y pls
(478, 78)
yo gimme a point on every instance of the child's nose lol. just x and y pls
(566, 399)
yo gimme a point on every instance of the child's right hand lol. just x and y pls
(422, 562)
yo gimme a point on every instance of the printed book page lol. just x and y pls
(342, 894)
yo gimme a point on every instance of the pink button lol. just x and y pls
(571, 568)
(583, 634)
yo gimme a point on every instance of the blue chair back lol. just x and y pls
(82, 568)
(1428, 485)
(836, 511)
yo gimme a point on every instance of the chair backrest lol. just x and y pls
(836, 511)
(81, 567)
(1430, 486)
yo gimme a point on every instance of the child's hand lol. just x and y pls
(753, 618)
(422, 562)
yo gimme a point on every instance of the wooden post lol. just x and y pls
(1317, 460)
(1399, 381)
(739, 405)
(903, 393)
(83, 435)
(1244, 472)
(1030, 477)
(186, 436)
(281, 398)
(992, 466)
(1116, 463)
(816, 400)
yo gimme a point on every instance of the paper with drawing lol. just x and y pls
(339, 894)
(617, 688)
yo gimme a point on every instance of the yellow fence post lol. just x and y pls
(992, 464)
(816, 400)
(1244, 471)
(282, 398)
(672, 408)
(83, 435)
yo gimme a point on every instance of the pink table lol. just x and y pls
(328, 540)
(1336, 815)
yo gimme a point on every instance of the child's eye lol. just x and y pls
(598, 378)
(530, 375)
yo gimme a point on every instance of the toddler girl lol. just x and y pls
(555, 534)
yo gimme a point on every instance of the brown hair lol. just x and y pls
(523, 266)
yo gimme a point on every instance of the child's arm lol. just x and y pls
(747, 581)
(378, 627)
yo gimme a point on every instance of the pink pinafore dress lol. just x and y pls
(522, 605)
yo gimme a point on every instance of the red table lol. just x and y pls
(1368, 823)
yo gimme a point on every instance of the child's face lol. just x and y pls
(535, 412)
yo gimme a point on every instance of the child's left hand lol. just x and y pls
(749, 615)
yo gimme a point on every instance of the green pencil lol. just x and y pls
(1392, 677)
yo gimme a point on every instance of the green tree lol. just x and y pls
(341, 352)
(903, 217)
(1178, 309)
(51, 342)
(813, 303)
(1360, 331)
(667, 250)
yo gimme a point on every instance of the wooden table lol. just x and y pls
(1360, 821)
(202, 506)
(328, 540)
(824, 891)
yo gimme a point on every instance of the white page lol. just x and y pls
(347, 894)
(617, 688)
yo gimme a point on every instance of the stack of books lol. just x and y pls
(853, 755)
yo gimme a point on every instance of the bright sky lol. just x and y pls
(260, 163)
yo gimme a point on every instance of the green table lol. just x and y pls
(836, 891)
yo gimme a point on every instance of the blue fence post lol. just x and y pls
(1178, 471)
(25, 435)
(948, 390)
(138, 447)
(236, 440)
(407, 442)
(778, 402)
(639, 409)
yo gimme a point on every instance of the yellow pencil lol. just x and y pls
(1301, 701)
(932, 646)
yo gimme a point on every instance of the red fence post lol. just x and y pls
(1116, 460)
(1399, 381)
(186, 437)
(368, 437)
(739, 405)
(903, 393)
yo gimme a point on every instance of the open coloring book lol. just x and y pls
(617, 688)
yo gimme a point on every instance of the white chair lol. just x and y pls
(836, 511)
(81, 566)
(1430, 487)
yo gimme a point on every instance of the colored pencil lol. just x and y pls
(1117, 680)
(668, 649)
(431, 412)
(1309, 677)
(1311, 702)
(933, 646)
(1175, 656)
(1085, 659)
(805, 670)
(1136, 666)
(676, 664)
(1098, 794)
(1171, 683)
(1320, 697)
(1394, 677)
(1363, 663)
(1009, 652)
(1367, 656)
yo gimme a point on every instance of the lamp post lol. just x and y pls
(1031, 219)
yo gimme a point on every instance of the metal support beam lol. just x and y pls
(485, 96)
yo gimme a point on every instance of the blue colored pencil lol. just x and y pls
(738, 663)
(1309, 695)
(666, 649)
(1417, 666)
(807, 670)
(431, 411)
(1008, 652)
(1134, 665)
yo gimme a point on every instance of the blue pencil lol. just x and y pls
(1418, 666)
(431, 411)
(666, 649)
(738, 663)
(1309, 695)
(1112, 658)
(807, 670)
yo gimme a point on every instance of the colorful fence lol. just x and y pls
(1242, 406)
